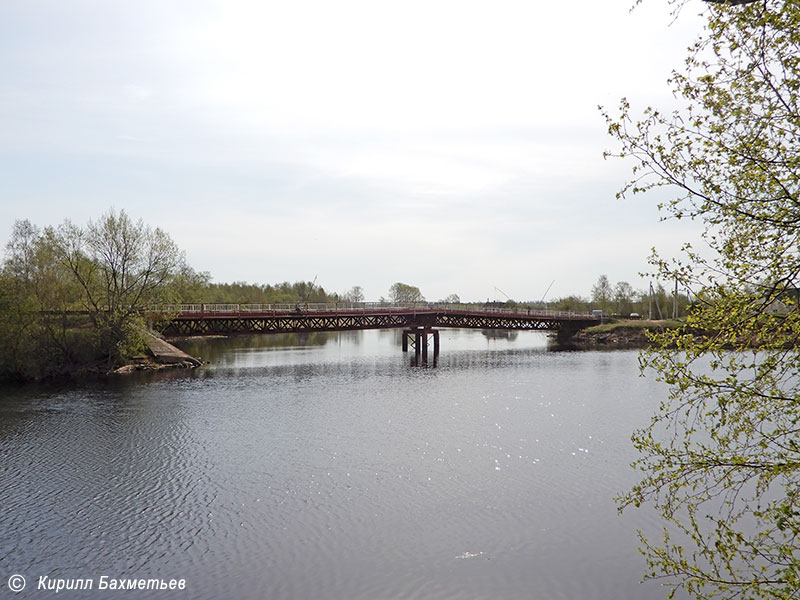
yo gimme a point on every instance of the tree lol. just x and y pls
(74, 296)
(33, 340)
(402, 292)
(355, 294)
(623, 298)
(571, 303)
(452, 299)
(721, 458)
(602, 293)
(121, 266)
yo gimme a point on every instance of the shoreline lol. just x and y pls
(619, 335)
(148, 364)
(162, 355)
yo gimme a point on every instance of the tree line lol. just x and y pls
(622, 299)
(72, 297)
(240, 292)
(69, 295)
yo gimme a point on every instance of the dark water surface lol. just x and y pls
(329, 468)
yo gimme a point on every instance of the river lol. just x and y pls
(329, 467)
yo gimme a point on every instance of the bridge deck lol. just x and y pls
(204, 319)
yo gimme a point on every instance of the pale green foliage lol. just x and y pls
(402, 292)
(38, 333)
(355, 294)
(121, 266)
(721, 458)
(73, 296)
(622, 299)
(202, 290)
(602, 294)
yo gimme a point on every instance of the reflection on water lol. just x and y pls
(499, 334)
(328, 468)
(217, 348)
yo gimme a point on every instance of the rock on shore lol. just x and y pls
(620, 335)
(163, 355)
(618, 338)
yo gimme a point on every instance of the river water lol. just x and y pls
(329, 467)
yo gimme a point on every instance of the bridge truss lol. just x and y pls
(300, 323)
(225, 319)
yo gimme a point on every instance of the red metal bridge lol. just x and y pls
(418, 320)
(211, 319)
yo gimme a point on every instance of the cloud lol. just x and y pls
(454, 144)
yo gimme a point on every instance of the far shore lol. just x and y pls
(620, 335)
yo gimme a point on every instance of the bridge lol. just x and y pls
(418, 320)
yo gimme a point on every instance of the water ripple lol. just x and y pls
(333, 471)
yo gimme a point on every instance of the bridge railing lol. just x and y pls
(200, 309)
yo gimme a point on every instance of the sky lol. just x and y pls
(456, 146)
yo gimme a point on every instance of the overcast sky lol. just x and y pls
(452, 145)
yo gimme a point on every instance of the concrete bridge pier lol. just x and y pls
(564, 334)
(419, 338)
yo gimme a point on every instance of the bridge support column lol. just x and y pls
(419, 339)
(564, 334)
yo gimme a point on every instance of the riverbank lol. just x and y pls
(162, 355)
(620, 335)
(146, 363)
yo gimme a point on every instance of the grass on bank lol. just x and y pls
(645, 324)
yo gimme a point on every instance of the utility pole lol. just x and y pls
(675, 301)
(658, 306)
